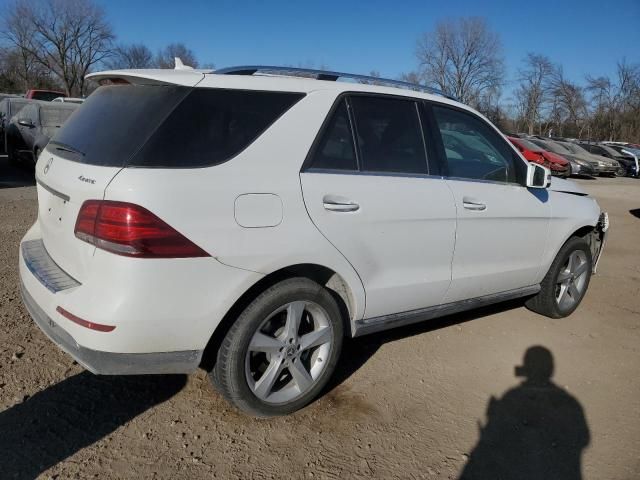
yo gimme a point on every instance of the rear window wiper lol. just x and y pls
(66, 148)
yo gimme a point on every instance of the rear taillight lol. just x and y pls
(131, 230)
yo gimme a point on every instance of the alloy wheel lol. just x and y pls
(289, 352)
(572, 280)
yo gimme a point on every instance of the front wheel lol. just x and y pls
(282, 349)
(566, 282)
(12, 155)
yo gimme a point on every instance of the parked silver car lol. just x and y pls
(602, 165)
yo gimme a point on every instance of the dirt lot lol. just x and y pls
(428, 401)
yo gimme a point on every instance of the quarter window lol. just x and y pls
(389, 135)
(335, 150)
(472, 148)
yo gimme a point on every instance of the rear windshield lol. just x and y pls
(54, 117)
(46, 96)
(168, 126)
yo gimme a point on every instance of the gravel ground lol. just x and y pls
(436, 400)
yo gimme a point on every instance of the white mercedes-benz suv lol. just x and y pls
(247, 220)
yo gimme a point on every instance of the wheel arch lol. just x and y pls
(332, 280)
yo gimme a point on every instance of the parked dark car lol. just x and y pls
(31, 129)
(8, 108)
(628, 162)
(578, 166)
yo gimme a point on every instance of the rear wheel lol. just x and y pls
(282, 349)
(566, 282)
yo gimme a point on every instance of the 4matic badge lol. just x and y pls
(86, 180)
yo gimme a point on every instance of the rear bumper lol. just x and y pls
(108, 363)
(164, 311)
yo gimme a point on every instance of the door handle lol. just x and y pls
(473, 204)
(341, 207)
(339, 204)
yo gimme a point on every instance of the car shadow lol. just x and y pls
(357, 351)
(12, 176)
(635, 212)
(535, 430)
(57, 422)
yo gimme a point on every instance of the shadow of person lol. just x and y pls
(64, 418)
(536, 430)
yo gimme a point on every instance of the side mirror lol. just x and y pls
(25, 122)
(538, 176)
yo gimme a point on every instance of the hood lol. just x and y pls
(584, 157)
(566, 186)
(554, 158)
(576, 158)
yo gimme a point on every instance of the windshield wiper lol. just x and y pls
(66, 148)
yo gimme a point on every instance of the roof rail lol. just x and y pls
(327, 75)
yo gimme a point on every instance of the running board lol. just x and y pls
(385, 322)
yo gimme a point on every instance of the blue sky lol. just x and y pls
(586, 36)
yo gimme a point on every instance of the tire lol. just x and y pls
(566, 283)
(12, 155)
(262, 361)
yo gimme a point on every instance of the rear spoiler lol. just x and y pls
(159, 76)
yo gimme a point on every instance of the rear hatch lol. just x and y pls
(63, 185)
(84, 156)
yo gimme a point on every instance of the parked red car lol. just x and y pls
(559, 166)
(46, 95)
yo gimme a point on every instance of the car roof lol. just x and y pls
(261, 81)
(59, 105)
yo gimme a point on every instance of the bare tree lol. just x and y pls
(570, 102)
(136, 55)
(411, 77)
(534, 88)
(66, 36)
(462, 58)
(374, 74)
(166, 57)
(19, 72)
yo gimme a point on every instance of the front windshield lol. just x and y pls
(551, 146)
(529, 145)
(609, 150)
(570, 147)
(578, 149)
(634, 151)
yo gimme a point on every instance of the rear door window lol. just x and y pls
(167, 126)
(389, 135)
